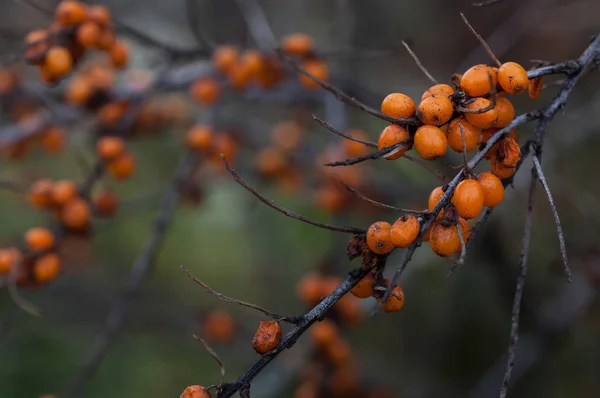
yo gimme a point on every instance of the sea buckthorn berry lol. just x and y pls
(404, 231)
(378, 238)
(509, 152)
(46, 268)
(444, 240)
(535, 86)
(506, 112)
(355, 149)
(324, 333)
(63, 191)
(349, 309)
(239, 77)
(8, 81)
(500, 170)
(58, 61)
(338, 352)
(40, 193)
(75, 215)
(8, 257)
(395, 301)
(78, 91)
(398, 105)
(39, 239)
(110, 147)
(111, 113)
(227, 145)
(484, 120)
(439, 89)
(267, 337)
(270, 161)
(87, 34)
(459, 129)
(106, 40)
(465, 228)
(224, 58)
(122, 167)
(205, 90)
(486, 134)
(391, 135)
(105, 204)
(434, 197)
(468, 198)
(364, 288)
(512, 77)
(38, 43)
(219, 326)
(69, 13)
(344, 381)
(119, 55)
(195, 392)
(99, 14)
(53, 139)
(253, 62)
(310, 289)
(316, 67)
(475, 82)
(200, 137)
(493, 190)
(330, 199)
(427, 234)
(299, 44)
(287, 135)
(435, 110)
(46, 75)
(430, 142)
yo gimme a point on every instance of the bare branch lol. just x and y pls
(481, 40)
(388, 150)
(258, 25)
(227, 299)
(13, 291)
(215, 357)
(379, 204)
(486, 3)
(418, 62)
(436, 173)
(344, 135)
(283, 210)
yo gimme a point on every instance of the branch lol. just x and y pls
(258, 25)
(344, 135)
(418, 62)
(215, 357)
(373, 155)
(379, 204)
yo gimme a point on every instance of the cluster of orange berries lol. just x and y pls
(202, 139)
(39, 264)
(119, 162)
(76, 29)
(300, 45)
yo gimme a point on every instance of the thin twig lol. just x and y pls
(388, 150)
(215, 357)
(418, 62)
(257, 24)
(283, 210)
(436, 173)
(486, 3)
(13, 291)
(344, 135)
(483, 43)
(227, 299)
(559, 230)
(463, 246)
(516, 311)
(379, 204)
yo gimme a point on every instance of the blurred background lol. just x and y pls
(451, 337)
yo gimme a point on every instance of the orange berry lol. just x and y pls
(69, 13)
(227, 145)
(458, 129)
(270, 161)
(195, 392)
(338, 352)
(253, 62)
(79, 91)
(468, 198)
(205, 90)
(53, 139)
(8, 258)
(348, 308)
(324, 333)
(493, 190)
(395, 301)
(404, 231)
(430, 142)
(506, 112)
(46, 268)
(38, 43)
(200, 137)
(509, 152)
(310, 289)
(398, 105)
(63, 191)
(38, 239)
(88, 34)
(484, 120)
(434, 197)
(465, 228)
(486, 134)
(499, 170)
(435, 110)
(219, 326)
(99, 14)
(391, 135)
(512, 77)
(439, 89)
(110, 147)
(40, 193)
(330, 199)
(364, 287)
(8, 81)
(355, 149)
(105, 204)
(287, 135)
(75, 215)
(119, 55)
(299, 44)
(111, 113)
(58, 61)
(106, 40)
(475, 82)
(535, 86)
(344, 381)
(267, 337)
(427, 234)
(239, 77)
(224, 58)
(122, 167)
(318, 69)
(444, 240)
(378, 238)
